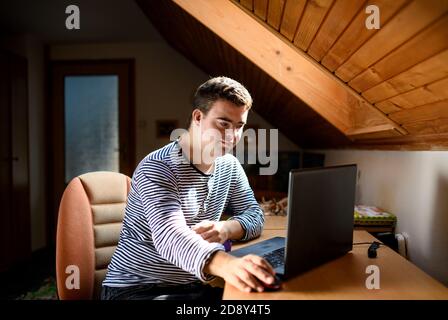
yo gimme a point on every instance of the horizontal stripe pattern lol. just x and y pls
(167, 197)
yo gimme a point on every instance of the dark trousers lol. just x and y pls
(193, 291)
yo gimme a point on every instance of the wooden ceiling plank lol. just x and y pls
(272, 101)
(165, 26)
(248, 72)
(428, 112)
(430, 70)
(429, 42)
(202, 43)
(261, 9)
(248, 4)
(275, 11)
(258, 90)
(410, 142)
(406, 24)
(313, 16)
(433, 92)
(357, 34)
(223, 56)
(339, 17)
(387, 107)
(232, 60)
(435, 126)
(334, 101)
(291, 17)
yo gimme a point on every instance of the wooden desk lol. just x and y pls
(344, 278)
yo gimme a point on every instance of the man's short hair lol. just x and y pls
(220, 88)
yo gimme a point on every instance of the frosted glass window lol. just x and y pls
(91, 124)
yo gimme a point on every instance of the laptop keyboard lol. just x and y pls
(276, 258)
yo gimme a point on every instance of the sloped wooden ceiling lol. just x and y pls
(317, 73)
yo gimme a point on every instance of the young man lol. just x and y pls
(171, 242)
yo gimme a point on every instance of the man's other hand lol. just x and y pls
(213, 231)
(246, 273)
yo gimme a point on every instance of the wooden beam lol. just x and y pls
(368, 130)
(379, 132)
(293, 69)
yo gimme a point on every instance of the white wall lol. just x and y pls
(165, 84)
(413, 185)
(32, 49)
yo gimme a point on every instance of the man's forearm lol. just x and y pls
(216, 264)
(236, 231)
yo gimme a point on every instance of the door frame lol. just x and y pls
(125, 69)
(16, 216)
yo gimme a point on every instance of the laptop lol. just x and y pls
(321, 204)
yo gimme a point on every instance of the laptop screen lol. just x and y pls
(320, 216)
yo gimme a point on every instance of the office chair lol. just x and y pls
(89, 224)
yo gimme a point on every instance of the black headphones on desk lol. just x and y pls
(371, 252)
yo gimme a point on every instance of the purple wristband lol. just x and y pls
(228, 245)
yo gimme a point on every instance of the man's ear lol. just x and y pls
(196, 116)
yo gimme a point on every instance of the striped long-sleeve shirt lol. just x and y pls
(168, 196)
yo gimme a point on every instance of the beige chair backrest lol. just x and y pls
(89, 224)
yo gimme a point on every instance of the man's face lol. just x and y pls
(223, 125)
